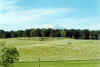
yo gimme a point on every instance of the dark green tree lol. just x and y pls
(8, 56)
(63, 33)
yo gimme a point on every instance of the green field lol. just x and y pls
(55, 49)
(60, 64)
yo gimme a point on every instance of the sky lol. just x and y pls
(61, 14)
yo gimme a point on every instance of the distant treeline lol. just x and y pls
(72, 33)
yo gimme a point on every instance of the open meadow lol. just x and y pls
(56, 52)
(60, 64)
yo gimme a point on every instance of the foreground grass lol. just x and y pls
(60, 64)
(49, 49)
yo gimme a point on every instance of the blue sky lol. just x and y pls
(69, 14)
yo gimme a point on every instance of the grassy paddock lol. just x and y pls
(60, 64)
(55, 48)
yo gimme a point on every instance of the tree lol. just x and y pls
(71, 33)
(2, 34)
(32, 33)
(19, 33)
(57, 33)
(27, 33)
(12, 34)
(8, 56)
(52, 33)
(8, 34)
(77, 34)
(24, 34)
(86, 34)
(43, 32)
(63, 33)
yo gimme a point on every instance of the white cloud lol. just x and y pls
(28, 15)
(91, 23)
(7, 5)
(46, 26)
(15, 18)
(15, 15)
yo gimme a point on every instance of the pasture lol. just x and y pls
(55, 50)
(60, 64)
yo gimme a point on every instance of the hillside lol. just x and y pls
(31, 49)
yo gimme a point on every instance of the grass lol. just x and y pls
(55, 49)
(60, 64)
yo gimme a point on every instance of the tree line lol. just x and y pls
(70, 33)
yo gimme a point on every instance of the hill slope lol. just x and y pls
(55, 48)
